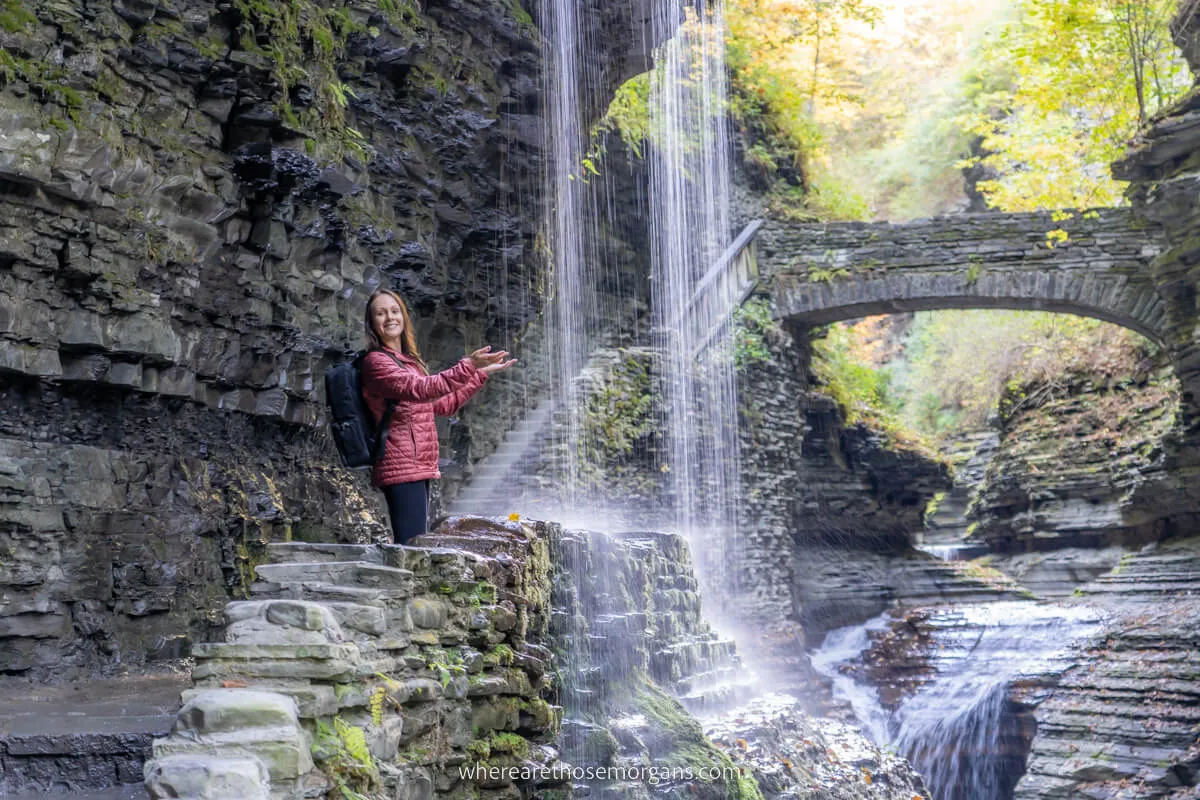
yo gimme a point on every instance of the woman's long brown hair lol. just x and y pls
(408, 339)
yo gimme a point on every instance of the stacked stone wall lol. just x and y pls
(1086, 262)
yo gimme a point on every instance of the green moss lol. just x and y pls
(500, 655)
(248, 555)
(15, 17)
(44, 79)
(752, 324)
(524, 20)
(616, 416)
(681, 743)
(931, 508)
(479, 750)
(511, 743)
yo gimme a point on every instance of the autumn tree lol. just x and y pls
(1084, 76)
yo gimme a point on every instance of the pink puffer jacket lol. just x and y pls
(412, 443)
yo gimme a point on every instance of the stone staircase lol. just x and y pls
(417, 654)
(490, 490)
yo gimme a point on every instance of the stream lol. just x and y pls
(962, 729)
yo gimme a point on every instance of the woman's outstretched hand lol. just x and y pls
(487, 361)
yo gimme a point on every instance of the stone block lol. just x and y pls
(284, 751)
(187, 777)
(306, 616)
(330, 669)
(367, 619)
(384, 740)
(79, 328)
(312, 700)
(144, 334)
(124, 373)
(495, 714)
(34, 626)
(223, 710)
(428, 612)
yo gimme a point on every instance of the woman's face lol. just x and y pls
(388, 319)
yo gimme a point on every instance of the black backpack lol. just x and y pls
(360, 442)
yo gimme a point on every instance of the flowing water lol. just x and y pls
(573, 225)
(690, 226)
(959, 730)
(688, 197)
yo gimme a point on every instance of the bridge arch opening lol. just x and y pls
(936, 372)
(1079, 408)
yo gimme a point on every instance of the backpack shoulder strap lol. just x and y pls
(385, 423)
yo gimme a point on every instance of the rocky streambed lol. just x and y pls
(1095, 695)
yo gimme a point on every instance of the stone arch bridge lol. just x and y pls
(1094, 264)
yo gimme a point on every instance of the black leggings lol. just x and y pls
(408, 506)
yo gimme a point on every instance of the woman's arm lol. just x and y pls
(448, 405)
(383, 376)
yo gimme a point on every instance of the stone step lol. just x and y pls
(317, 592)
(315, 552)
(359, 574)
(89, 738)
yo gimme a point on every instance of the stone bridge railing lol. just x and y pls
(726, 285)
(1093, 263)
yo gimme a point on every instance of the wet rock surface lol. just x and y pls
(793, 755)
(641, 656)
(1125, 722)
(84, 738)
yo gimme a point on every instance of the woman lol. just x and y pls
(393, 371)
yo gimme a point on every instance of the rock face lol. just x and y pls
(945, 520)
(198, 200)
(1161, 168)
(814, 490)
(1072, 470)
(844, 586)
(1125, 721)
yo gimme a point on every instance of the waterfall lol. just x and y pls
(960, 730)
(571, 230)
(690, 227)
